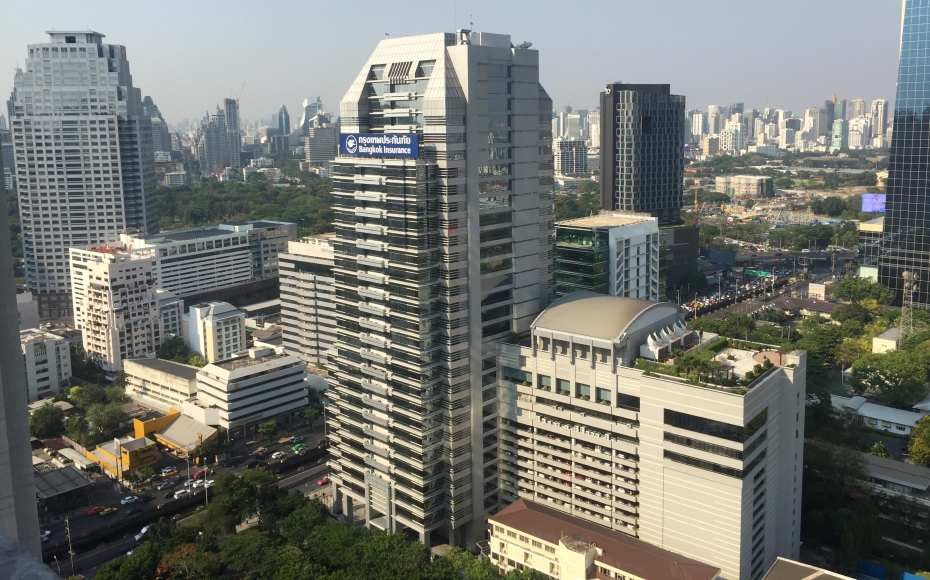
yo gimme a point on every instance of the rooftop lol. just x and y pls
(606, 220)
(789, 303)
(63, 405)
(186, 372)
(888, 469)
(617, 549)
(893, 333)
(784, 569)
(596, 315)
(241, 362)
(52, 483)
(34, 334)
(186, 432)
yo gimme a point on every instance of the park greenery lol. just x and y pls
(98, 414)
(176, 350)
(254, 529)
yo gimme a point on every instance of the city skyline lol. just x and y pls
(571, 71)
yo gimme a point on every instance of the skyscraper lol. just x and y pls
(879, 116)
(642, 150)
(829, 105)
(161, 138)
(857, 108)
(233, 138)
(443, 218)
(76, 99)
(906, 240)
(284, 121)
(18, 517)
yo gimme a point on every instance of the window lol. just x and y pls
(703, 446)
(583, 391)
(629, 402)
(511, 533)
(602, 395)
(701, 464)
(550, 549)
(524, 539)
(562, 387)
(537, 544)
(543, 382)
(715, 428)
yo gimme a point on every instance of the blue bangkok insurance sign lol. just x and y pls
(406, 145)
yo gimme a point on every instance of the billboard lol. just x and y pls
(404, 145)
(873, 203)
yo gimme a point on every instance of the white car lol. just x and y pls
(182, 493)
(278, 455)
(190, 483)
(209, 483)
(197, 483)
(45, 535)
(142, 533)
(129, 499)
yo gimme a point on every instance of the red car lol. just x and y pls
(202, 473)
(323, 481)
(95, 510)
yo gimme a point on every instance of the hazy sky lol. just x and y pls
(189, 55)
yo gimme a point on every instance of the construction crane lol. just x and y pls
(240, 92)
(907, 304)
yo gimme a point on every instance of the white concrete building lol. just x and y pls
(745, 186)
(163, 384)
(214, 330)
(28, 310)
(611, 253)
(48, 363)
(170, 311)
(732, 137)
(708, 471)
(115, 305)
(570, 156)
(190, 262)
(84, 160)
(254, 388)
(308, 317)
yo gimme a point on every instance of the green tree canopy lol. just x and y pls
(47, 421)
(899, 375)
(919, 446)
(856, 289)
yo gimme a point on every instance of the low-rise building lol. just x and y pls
(175, 179)
(123, 456)
(877, 416)
(785, 569)
(531, 536)
(804, 306)
(47, 358)
(685, 465)
(214, 330)
(176, 431)
(160, 383)
(307, 309)
(887, 341)
(257, 387)
(61, 489)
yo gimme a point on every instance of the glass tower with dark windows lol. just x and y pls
(906, 239)
(642, 150)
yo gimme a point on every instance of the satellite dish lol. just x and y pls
(525, 45)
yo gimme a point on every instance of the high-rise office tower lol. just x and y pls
(284, 121)
(84, 160)
(443, 217)
(815, 115)
(879, 116)
(161, 139)
(906, 240)
(714, 119)
(839, 109)
(829, 106)
(697, 125)
(857, 108)
(594, 128)
(839, 139)
(18, 517)
(736, 108)
(642, 150)
(212, 143)
(233, 138)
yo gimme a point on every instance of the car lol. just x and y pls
(298, 447)
(323, 480)
(209, 483)
(129, 499)
(189, 482)
(166, 485)
(322, 442)
(297, 438)
(45, 535)
(133, 510)
(171, 474)
(234, 461)
(198, 483)
(142, 533)
(129, 553)
(278, 455)
(202, 474)
(168, 469)
(182, 493)
(108, 511)
(95, 510)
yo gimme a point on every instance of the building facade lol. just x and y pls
(870, 247)
(707, 471)
(571, 156)
(233, 136)
(642, 150)
(214, 330)
(745, 186)
(115, 305)
(257, 387)
(75, 101)
(906, 240)
(438, 256)
(612, 254)
(308, 319)
(47, 358)
(162, 383)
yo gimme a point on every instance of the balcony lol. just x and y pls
(370, 446)
(374, 434)
(377, 419)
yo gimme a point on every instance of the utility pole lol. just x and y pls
(907, 304)
(70, 549)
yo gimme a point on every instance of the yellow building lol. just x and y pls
(133, 454)
(529, 535)
(179, 433)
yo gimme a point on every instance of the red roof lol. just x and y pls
(620, 551)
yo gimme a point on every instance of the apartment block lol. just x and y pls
(254, 388)
(570, 156)
(308, 319)
(47, 358)
(170, 311)
(612, 253)
(115, 305)
(214, 330)
(708, 469)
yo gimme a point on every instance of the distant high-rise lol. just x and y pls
(233, 137)
(857, 108)
(594, 128)
(879, 116)
(905, 243)
(715, 119)
(161, 138)
(829, 106)
(642, 150)
(816, 116)
(76, 103)
(284, 121)
(839, 109)
(840, 137)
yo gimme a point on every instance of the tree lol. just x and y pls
(919, 446)
(310, 414)
(850, 312)
(851, 350)
(899, 375)
(121, 380)
(878, 449)
(76, 428)
(87, 396)
(47, 421)
(857, 289)
(195, 360)
(105, 419)
(175, 349)
(268, 428)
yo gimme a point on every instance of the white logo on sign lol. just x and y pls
(351, 144)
